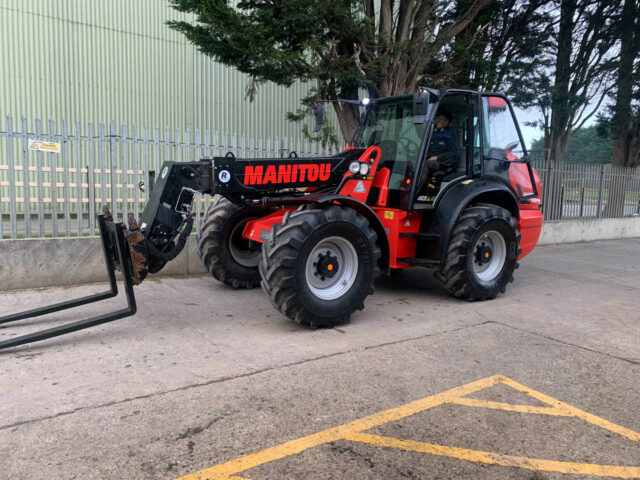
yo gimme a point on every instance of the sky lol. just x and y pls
(530, 133)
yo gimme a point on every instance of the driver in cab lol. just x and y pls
(443, 148)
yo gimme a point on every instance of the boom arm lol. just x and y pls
(166, 221)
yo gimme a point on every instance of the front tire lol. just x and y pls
(482, 253)
(318, 265)
(229, 257)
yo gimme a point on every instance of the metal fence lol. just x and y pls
(59, 194)
(576, 191)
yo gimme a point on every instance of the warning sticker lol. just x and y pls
(41, 146)
(360, 187)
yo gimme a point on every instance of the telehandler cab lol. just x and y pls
(316, 232)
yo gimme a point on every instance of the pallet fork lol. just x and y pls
(116, 256)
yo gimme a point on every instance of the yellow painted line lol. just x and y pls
(353, 432)
(570, 411)
(294, 447)
(490, 458)
(474, 402)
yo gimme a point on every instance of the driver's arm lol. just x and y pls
(449, 158)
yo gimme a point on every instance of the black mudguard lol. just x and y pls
(459, 196)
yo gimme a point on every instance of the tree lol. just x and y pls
(582, 77)
(585, 146)
(341, 45)
(623, 120)
(502, 49)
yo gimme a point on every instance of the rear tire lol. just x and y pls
(482, 253)
(229, 258)
(318, 265)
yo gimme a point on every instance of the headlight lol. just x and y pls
(364, 168)
(354, 167)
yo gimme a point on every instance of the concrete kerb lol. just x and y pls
(37, 262)
(34, 263)
(574, 231)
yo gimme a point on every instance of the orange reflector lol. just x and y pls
(486, 255)
(329, 267)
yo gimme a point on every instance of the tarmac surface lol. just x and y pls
(210, 382)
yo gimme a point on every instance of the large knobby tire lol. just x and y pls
(318, 265)
(230, 258)
(482, 253)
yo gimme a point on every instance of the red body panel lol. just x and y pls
(396, 222)
(254, 229)
(358, 188)
(530, 226)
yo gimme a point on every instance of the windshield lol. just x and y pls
(389, 124)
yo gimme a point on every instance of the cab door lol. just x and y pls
(504, 154)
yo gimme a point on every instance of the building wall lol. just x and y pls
(101, 60)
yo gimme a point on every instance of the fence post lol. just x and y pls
(91, 183)
(548, 196)
(65, 176)
(103, 164)
(76, 153)
(124, 176)
(12, 179)
(197, 155)
(136, 175)
(113, 156)
(145, 173)
(600, 191)
(25, 178)
(54, 179)
(40, 181)
(581, 202)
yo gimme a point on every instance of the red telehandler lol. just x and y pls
(316, 232)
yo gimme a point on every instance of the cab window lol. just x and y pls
(502, 146)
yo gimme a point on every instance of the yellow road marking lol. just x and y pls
(338, 433)
(570, 411)
(474, 402)
(353, 432)
(490, 458)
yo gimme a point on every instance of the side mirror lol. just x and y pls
(420, 106)
(318, 113)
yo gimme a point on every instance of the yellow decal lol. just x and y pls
(388, 215)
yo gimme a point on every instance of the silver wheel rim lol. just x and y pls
(345, 254)
(245, 257)
(491, 269)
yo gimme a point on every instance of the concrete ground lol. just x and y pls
(541, 383)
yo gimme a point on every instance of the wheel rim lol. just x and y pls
(241, 249)
(489, 255)
(340, 256)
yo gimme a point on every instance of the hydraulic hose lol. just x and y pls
(178, 247)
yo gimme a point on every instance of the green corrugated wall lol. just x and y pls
(101, 60)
